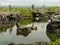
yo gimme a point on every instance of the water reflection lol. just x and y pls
(3, 30)
(25, 31)
(28, 32)
(10, 30)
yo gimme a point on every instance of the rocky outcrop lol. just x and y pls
(53, 26)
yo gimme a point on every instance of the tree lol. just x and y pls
(33, 7)
(10, 8)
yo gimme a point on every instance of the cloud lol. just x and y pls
(4, 3)
(30, 2)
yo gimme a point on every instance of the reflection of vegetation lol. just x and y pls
(7, 25)
(3, 27)
(3, 30)
(10, 30)
(25, 30)
(25, 22)
(24, 33)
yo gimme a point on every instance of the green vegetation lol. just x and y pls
(25, 22)
(54, 37)
(27, 11)
(24, 11)
(56, 8)
(57, 42)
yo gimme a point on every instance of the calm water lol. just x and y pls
(10, 35)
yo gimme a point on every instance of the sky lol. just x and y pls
(30, 2)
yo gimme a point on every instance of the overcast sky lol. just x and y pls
(30, 2)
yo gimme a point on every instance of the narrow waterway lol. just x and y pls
(11, 35)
